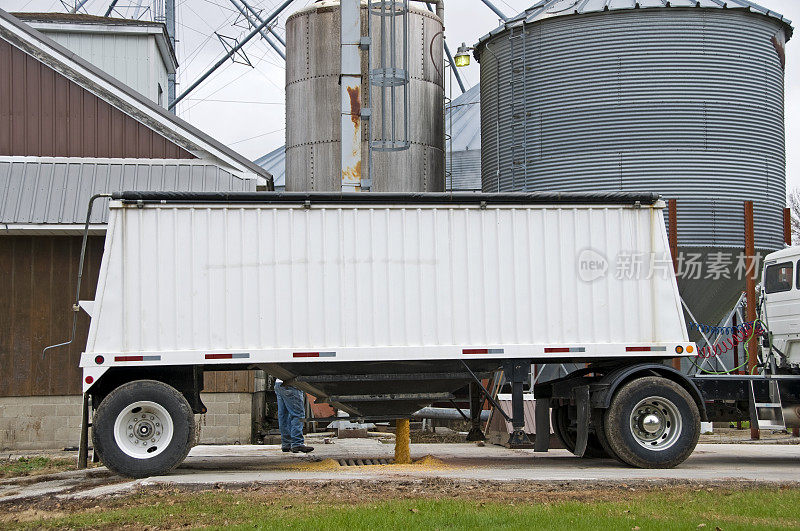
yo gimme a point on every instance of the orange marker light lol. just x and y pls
(690, 349)
(679, 349)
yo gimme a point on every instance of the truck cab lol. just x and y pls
(780, 309)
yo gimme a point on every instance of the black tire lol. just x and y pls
(568, 435)
(598, 420)
(674, 411)
(167, 456)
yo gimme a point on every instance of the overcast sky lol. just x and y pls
(244, 107)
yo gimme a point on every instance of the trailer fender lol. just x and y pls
(603, 391)
(91, 375)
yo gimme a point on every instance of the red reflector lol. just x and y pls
(475, 351)
(99, 360)
(638, 349)
(554, 350)
(128, 358)
(306, 354)
(219, 356)
(89, 379)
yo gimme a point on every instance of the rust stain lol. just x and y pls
(355, 105)
(353, 173)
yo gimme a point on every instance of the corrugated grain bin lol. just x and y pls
(681, 98)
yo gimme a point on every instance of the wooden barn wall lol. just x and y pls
(42, 113)
(37, 286)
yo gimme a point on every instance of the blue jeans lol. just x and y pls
(291, 411)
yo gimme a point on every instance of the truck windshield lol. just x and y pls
(778, 277)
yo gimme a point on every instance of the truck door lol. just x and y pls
(781, 281)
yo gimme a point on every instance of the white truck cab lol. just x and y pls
(781, 304)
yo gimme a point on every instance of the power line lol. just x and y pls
(237, 101)
(257, 136)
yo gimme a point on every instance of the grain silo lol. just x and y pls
(313, 101)
(463, 142)
(680, 97)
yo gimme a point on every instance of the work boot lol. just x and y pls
(302, 448)
(286, 449)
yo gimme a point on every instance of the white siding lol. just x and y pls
(133, 59)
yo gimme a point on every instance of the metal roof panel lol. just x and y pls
(56, 191)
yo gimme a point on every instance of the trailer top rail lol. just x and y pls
(457, 198)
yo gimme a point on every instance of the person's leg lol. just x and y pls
(284, 423)
(296, 413)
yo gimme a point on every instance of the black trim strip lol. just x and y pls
(376, 198)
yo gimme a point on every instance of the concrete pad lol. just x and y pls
(467, 461)
(237, 465)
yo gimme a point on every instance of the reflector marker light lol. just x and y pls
(558, 350)
(645, 349)
(227, 356)
(137, 358)
(314, 355)
(483, 351)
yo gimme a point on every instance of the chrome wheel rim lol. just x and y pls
(656, 423)
(143, 429)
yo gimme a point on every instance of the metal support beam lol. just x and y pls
(487, 394)
(387, 397)
(516, 373)
(264, 35)
(496, 11)
(232, 51)
(475, 407)
(78, 6)
(258, 17)
(672, 208)
(111, 7)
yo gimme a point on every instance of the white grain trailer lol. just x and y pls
(382, 304)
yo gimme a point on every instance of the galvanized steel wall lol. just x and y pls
(313, 105)
(133, 59)
(685, 102)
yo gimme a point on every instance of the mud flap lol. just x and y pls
(542, 441)
(584, 414)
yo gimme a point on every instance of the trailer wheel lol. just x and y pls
(568, 434)
(598, 420)
(143, 428)
(652, 423)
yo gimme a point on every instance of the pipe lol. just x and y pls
(447, 49)
(444, 413)
(169, 16)
(496, 11)
(232, 51)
